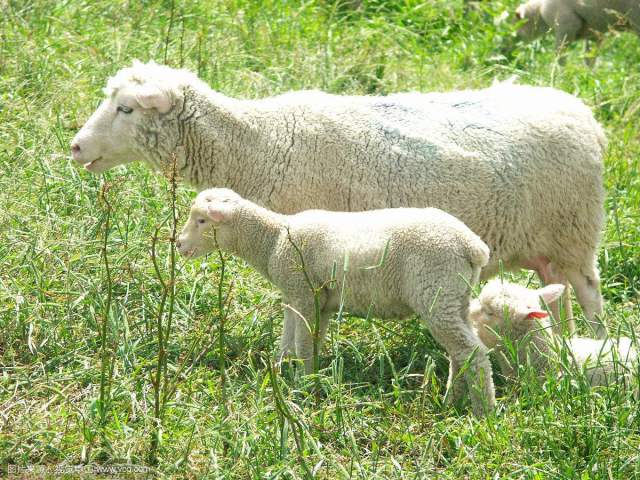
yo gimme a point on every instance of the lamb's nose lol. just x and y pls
(178, 244)
(75, 150)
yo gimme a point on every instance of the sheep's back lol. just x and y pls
(505, 149)
(512, 162)
(385, 256)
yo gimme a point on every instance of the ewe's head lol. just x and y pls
(510, 310)
(137, 120)
(533, 25)
(211, 220)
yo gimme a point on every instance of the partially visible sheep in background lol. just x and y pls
(507, 315)
(520, 166)
(396, 262)
(577, 19)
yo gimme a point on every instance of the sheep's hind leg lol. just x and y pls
(451, 329)
(456, 387)
(586, 284)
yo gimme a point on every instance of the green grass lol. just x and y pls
(379, 414)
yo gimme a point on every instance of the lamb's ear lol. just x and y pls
(520, 12)
(551, 293)
(150, 96)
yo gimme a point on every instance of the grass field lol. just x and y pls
(76, 389)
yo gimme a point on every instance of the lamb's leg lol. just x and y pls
(288, 338)
(304, 326)
(586, 284)
(455, 385)
(450, 327)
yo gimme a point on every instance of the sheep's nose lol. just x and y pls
(178, 244)
(75, 150)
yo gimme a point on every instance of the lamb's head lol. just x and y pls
(510, 310)
(533, 26)
(136, 121)
(211, 221)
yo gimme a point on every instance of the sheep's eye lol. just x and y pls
(124, 109)
(201, 221)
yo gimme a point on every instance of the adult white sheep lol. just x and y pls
(400, 261)
(509, 314)
(577, 19)
(520, 165)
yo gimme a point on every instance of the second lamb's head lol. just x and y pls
(511, 310)
(211, 223)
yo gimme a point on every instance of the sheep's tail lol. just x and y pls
(478, 253)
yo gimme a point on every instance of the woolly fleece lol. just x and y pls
(521, 166)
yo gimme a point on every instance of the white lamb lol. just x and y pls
(577, 19)
(520, 165)
(509, 316)
(397, 262)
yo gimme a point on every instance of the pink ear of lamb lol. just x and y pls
(537, 314)
(551, 293)
(150, 96)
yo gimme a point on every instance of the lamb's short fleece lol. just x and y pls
(509, 314)
(396, 262)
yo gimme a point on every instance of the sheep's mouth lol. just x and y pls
(190, 253)
(92, 164)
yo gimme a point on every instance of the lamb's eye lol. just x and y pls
(124, 109)
(201, 221)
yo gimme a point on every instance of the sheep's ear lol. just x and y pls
(551, 293)
(520, 12)
(150, 96)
